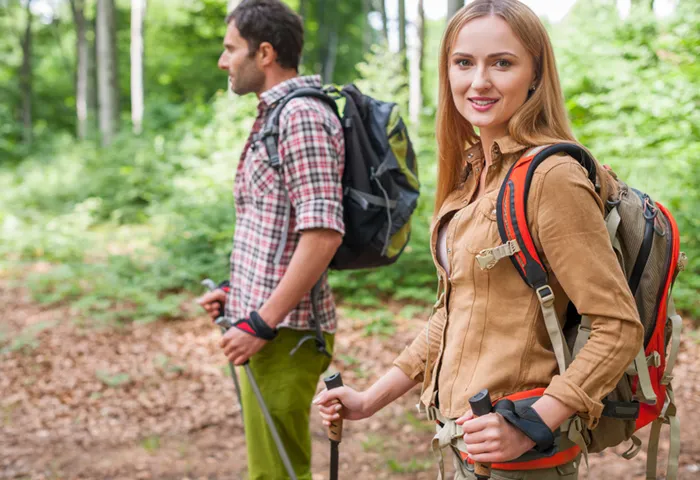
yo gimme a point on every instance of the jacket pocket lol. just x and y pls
(482, 227)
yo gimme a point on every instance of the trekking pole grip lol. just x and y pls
(481, 405)
(335, 430)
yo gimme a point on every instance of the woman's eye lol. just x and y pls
(503, 63)
(463, 63)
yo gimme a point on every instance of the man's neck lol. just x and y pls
(276, 78)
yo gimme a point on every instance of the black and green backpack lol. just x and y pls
(380, 180)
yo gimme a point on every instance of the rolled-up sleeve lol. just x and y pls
(572, 234)
(312, 151)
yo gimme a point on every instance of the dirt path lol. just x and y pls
(155, 402)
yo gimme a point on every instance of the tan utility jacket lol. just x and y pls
(487, 330)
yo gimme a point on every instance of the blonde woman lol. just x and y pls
(498, 75)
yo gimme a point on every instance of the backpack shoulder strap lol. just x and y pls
(269, 134)
(511, 215)
(511, 207)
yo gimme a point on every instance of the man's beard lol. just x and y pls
(248, 79)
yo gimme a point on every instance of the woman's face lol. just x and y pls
(490, 74)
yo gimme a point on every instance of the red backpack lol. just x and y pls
(645, 238)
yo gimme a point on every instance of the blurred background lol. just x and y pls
(118, 149)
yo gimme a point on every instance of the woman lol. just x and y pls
(498, 74)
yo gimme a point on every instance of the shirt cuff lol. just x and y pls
(326, 214)
(410, 364)
(573, 396)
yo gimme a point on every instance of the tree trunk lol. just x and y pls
(367, 34)
(138, 9)
(26, 79)
(328, 34)
(402, 33)
(107, 86)
(415, 83)
(82, 67)
(453, 7)
(92, 71)
(302, 9)
(385, 22)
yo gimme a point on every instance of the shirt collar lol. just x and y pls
(280, 90)
(475, 154)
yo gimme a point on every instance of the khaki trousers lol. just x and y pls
(568, 471)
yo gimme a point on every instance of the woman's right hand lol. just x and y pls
(342, 401)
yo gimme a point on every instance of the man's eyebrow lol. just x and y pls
(490, 55)
(228, 45)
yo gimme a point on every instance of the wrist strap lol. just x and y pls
(528, 421)
(254, 325)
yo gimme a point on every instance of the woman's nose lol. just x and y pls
(481, 80)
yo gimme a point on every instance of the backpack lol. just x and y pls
(646, 241)
(380, 179)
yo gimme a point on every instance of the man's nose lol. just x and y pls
(223, 62)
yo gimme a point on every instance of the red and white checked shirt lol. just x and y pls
(312, 153)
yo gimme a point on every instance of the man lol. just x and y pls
(263, 46)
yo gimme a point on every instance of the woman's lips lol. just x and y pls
(483, 104)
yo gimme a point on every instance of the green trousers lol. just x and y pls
(288, 384)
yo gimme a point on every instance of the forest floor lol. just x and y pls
(155, 401)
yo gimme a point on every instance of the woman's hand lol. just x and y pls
(491, 439)
(342, 401)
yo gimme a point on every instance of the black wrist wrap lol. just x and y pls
(254, 325)
(528, 421)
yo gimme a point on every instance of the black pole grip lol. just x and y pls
(481, 405)
(335, 430)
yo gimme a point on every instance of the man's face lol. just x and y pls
(244, 74)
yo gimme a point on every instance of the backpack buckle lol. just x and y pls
(489, 257)
(486, 259)
(545, 295)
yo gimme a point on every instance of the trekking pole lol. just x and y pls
(481, 405)
(211, 286)
(225, 324)
(335, 430)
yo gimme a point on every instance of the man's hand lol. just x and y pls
(239, 346)
(491, 439)
(210, 302)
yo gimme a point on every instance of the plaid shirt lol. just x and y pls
(312, 153)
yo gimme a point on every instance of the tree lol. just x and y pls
(453, 7)
(107, 85)
(328, 33)
(415, 79)
(381, 7)
(26, 78)
(138, 9)
(82, 68)
(402, 32)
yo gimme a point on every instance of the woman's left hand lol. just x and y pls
(490, 439)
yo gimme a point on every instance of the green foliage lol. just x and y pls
(641, 116)
(126, 233)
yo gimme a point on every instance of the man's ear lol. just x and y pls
(266, 55)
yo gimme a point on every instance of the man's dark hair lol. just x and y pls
(270, 21)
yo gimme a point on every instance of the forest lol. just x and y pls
(119, 143)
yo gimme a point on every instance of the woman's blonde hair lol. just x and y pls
(540, 120)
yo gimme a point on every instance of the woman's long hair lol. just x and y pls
(541, 120)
